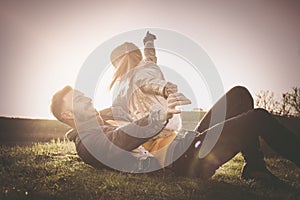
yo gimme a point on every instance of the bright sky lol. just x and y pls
(43, 44)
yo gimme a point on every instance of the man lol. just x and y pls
(114, 146)
(109, 147)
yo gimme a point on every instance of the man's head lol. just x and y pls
(58, 102)
(68, 103)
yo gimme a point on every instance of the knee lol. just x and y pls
(240, 90)
(261, 111)
(259, 114)
(243, 93)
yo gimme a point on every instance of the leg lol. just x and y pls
(281, 139)
(236, 101)
(158, 146)
(237, 132)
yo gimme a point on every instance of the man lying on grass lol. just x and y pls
(110, 147)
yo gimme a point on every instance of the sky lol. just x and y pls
(43, 44)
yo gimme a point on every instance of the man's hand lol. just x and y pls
(173, 100)
(149, 37)
(170, 88)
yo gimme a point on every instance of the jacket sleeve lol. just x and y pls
(106, 114)
(151, 80)
(149, 52)
(133, 135)
(115, 113)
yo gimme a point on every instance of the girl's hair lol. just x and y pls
(124, 58)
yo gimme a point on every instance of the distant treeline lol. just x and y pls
(24, 131)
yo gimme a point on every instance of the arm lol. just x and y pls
(134, 134)
(114, 113)
(151, 81)
(104, 143)
(131, 136)
(162, 89)
(149, 50)
(106, 114)
(128, 137)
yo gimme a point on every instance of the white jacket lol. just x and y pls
(140, 91)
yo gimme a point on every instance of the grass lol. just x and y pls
(53, 171)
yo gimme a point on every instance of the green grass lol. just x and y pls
(54, 171)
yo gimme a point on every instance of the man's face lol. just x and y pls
(80, 105)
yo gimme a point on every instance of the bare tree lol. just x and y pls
(292, 101)
(289, 105)
(284, 108)
(265, 99)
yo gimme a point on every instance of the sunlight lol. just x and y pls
(103, 98)
(190, 82)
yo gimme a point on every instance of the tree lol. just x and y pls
(289, 105)
(292, 101)
(265, 100)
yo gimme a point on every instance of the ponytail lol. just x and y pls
(124, 58)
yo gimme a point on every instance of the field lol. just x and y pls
(25, 131)
(52, 170)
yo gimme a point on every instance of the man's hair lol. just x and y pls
(57, 102)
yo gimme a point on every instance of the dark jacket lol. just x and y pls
(110, 146)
